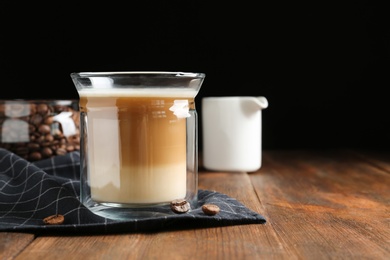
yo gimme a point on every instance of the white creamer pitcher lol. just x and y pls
(231, 128)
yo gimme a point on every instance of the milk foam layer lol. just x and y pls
(139, 92)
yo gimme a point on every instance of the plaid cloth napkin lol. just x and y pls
(30, 192)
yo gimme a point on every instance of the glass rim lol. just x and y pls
(162, 74)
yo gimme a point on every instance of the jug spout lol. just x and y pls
(262, 102)
(253, 105)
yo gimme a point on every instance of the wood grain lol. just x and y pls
(326, 204)
(11, 244)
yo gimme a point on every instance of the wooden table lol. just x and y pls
(332, 204)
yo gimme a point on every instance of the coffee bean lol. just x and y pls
(49, 138)
(70, 148)
(42, 109)
(35, 156)
(47, 152)
(49, 120)
(32, 146)
(36, 119)
(210, 209)
(180, 206)
(54, 219)
(61, 151)
(44, 129)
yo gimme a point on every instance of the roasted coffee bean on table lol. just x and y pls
(180, 206)
(210, 209)
(28, 129)
(56, 219)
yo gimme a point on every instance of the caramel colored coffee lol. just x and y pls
(136, 145)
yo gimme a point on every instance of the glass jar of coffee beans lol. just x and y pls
(39, 129)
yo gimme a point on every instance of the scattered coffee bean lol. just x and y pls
(210, 209)
(54, 219)
(180, 206)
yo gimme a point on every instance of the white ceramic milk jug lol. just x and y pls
(231, 128)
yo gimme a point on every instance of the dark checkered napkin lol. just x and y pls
(30, 192)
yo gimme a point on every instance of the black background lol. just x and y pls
(322, 65)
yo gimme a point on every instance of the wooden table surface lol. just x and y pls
(332, 204)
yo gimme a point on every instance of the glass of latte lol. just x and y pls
(138, 141)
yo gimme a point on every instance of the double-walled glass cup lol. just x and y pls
(139, 141)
